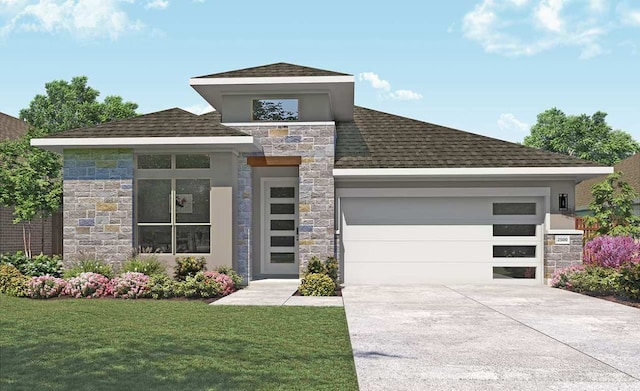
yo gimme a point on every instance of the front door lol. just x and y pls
(280, 226)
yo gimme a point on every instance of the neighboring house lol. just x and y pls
(630, 167)
(289, 168)
(45, 233)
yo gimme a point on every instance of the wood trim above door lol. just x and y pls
(273, 161)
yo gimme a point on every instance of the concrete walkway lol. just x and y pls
(491, 338)
(276, 292)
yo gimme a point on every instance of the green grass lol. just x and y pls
(171, 345)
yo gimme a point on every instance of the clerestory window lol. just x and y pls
(275, 110)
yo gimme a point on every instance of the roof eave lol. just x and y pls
(466, 173)
(235, 143)
(339, 88)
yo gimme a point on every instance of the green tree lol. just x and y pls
(612, 207)
(266, 110)
(583, 136)
(30, 180)
(69, 105)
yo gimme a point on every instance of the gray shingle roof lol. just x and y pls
(381, 140)
(630, 167)
(11, 128)
(167, 123)
(280, 69)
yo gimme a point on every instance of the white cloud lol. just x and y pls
(525, 28)
(383, 85)
(82, 18)
(509, 122)
(598, 6)
(631, 17)
(375, 81)
(405, 95)
(156, 4)
(199, 108)
(548, 15)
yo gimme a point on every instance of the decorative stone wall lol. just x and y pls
(315, 144)
(558, 256)
(98, 195)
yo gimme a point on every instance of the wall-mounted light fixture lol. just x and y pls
(563, 202)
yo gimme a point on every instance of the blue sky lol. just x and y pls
(485, 66)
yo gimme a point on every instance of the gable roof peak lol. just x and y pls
(278, 69)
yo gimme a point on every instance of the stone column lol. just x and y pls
(98, 196)
(559, 256)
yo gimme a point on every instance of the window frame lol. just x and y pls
(173, 174)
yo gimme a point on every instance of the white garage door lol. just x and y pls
(403, 240)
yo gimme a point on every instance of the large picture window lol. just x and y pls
(173, 203)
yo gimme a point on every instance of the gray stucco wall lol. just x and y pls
(315, 145)
(98, 196)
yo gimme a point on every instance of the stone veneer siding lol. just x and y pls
(315, 144)
(98, 195)
(558, 256)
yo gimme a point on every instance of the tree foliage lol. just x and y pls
(583, 136)
(265, 110)
(30, 180)
(612, 207)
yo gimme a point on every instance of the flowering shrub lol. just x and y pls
(562, 277)
(130, 285)
(88, 285)
(227, 285)
(45, 287)
(206, 284)
(611, 251)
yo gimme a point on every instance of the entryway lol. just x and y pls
(279, 217)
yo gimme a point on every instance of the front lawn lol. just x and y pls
(171, 345)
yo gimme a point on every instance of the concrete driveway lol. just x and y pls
(467, 337)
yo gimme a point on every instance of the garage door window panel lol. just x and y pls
(514, 251)
(514, 209)
(509, 230)
(514, 272)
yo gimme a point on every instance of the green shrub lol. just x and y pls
(12, 282)
(188, 267)
(331, 266)
(198, 285)
(317, 284)
(18, 260)
(41, 265)
(315, 266)
(596, 280)
(629, 281)
(89, 266)
(237, 278)
(161, 287)
(147, 265)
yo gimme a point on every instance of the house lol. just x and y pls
(288, 168)
(630, 167)
(46, 234)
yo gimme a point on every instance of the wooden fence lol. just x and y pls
(589, 231)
